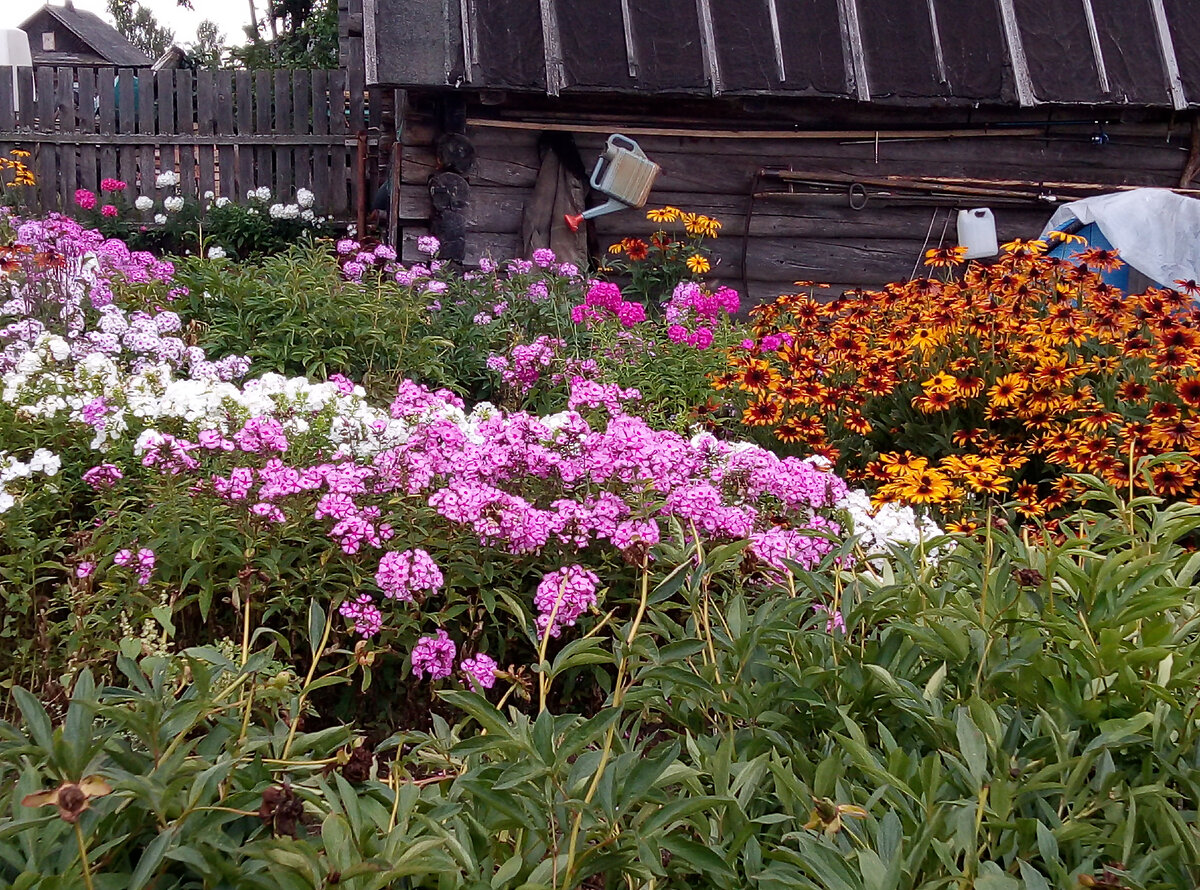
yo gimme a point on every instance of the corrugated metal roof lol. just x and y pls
(907, 52)
(102, 37)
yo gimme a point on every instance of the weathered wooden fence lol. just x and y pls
(221, 131)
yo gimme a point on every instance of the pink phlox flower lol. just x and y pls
(343, 383)
(261, 434)
(480, 671)
(401, 574)
(85, 199)
(367, 618)
(103, 476)
(544, 257)
(566, 594)
(112, 185)
(108, 210)
(434, 656)
(268, 511)
(85, 569)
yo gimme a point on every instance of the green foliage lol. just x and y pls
(1019, 714)
(139, 26)
(295, 314)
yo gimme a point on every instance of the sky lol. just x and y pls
(230, 15)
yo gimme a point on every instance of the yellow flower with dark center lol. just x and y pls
(698, 263)
(663, 214)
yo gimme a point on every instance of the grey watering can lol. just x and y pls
(623, 174)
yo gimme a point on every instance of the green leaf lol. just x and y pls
(973, 746)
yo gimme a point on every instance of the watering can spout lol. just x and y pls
(573, 221)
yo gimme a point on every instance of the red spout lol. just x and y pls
(573, 220)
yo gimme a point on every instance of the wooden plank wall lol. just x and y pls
(791, 239)
(225, 132)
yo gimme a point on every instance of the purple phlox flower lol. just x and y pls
(429, 245)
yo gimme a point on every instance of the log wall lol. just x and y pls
(790, 239)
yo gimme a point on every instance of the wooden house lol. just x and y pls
(834, 139)
(64, 35)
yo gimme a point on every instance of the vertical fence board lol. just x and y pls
(47, 163)
(126, 123)
(355, 83)
(165, 125)
(262, 123)
(301, 122)
(320, 127)
(226, 165)
(283, 125)
(26, 110)
(206, 124)
(8, 111)
(339, 155)
(185, 113)
(245, 126)
(106, 122)
(147, 168)
(85, 101)
(65, 111)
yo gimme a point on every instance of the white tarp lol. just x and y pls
(1156, 231)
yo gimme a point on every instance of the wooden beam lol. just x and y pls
(571, 127)
(1097, 50)
(853, 51)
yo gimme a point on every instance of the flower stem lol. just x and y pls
(307, 681)
(87, 868)
(618, 698)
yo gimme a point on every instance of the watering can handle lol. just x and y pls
(616, 140)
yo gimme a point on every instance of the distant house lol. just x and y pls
(64, 35)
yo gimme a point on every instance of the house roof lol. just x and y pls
(905, 52)
(103, 38)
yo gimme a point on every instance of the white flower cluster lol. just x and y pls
(262, 193)
(173, 204)
(167, 180)
(216, 252)
(879, 529)
(284, 211)
(12, 470)
(143, 203)
(305, 198)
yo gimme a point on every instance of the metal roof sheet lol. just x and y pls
(907, 52)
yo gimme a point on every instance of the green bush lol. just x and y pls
(295, 314)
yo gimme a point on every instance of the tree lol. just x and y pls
(209, 49)
(139, 26)
(304, 34)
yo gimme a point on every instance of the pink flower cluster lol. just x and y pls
(593, 394)
(142, 563)
(408, 572)
(434, 656)
(480, 671)
(603, 300)
(692, 312)
(563, 596)
(103, 476)
(526, 363)
(85, 200)
(113, 185)
(364, 613)
(803, 546)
